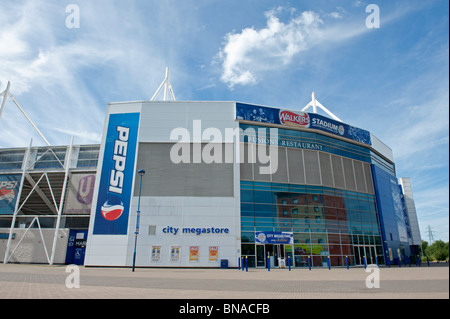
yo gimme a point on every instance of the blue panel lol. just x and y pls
(9, 187)
(116, 180)
(271, 115)
(76, 247)
(392, 221)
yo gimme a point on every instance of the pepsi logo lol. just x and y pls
(112, 211)
(297, 119)
(6, 196)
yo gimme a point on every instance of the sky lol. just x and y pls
(390, 78)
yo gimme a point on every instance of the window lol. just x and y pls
(11, 159)
(295, 201)
(88, 156)
(294, 211)
(50, 158)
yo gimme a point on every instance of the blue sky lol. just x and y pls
(392, 80)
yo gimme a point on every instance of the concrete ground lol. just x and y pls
(23, 281)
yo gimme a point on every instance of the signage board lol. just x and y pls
(117, 173)
(264, 237)
(9, 187)
(298, 119)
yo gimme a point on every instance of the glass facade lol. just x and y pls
(11, 159)
(88, 156)
(302, 139)
(325, 222)
(339, 223)
(50, 158)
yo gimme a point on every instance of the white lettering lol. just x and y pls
(119, 157)
(373, 19)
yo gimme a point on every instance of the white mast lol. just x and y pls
(7, 93)
(314, 103)
(167, 88)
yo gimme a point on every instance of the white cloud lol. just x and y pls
(247, 53)
(62, 77)
(245, 56)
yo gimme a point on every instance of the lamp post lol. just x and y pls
(141, 172)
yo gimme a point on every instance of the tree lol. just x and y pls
(424, 246)
(438, 250)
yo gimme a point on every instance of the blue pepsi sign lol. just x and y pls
(9, 188)
(297, 119)
(116, 180)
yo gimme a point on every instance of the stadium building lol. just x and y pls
(222, 180)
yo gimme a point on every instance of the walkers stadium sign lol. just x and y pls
(299, 119)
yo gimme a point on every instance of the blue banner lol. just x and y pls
(298, 119)
(265, 237)
(116, 180)
(9, 187)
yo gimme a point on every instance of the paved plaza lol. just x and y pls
(43, 281)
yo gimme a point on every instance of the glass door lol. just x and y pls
(364, 251)
(362, 255)
(276, 254)
(260, 256)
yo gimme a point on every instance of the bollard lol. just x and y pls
(328, 261)
(346, 260)
(365, 264)
(268, 262)
(246, 264)
(420, 261)
(242, 263)
(309, 263)
(376, 259)
(239, 263)
(289, 262)
(428, 262)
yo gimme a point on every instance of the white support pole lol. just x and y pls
(5, 95)
(25, 114)
(314, 103)
(43, 240)
(16, 209)
(157, 92)
(313, 96)
(167, 88)
(61, 202)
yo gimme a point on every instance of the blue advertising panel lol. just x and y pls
(298, 119)
(9, 187)
(266, 237)
(114, 194)
(390, 209)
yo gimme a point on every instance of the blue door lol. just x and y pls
(76, 247)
